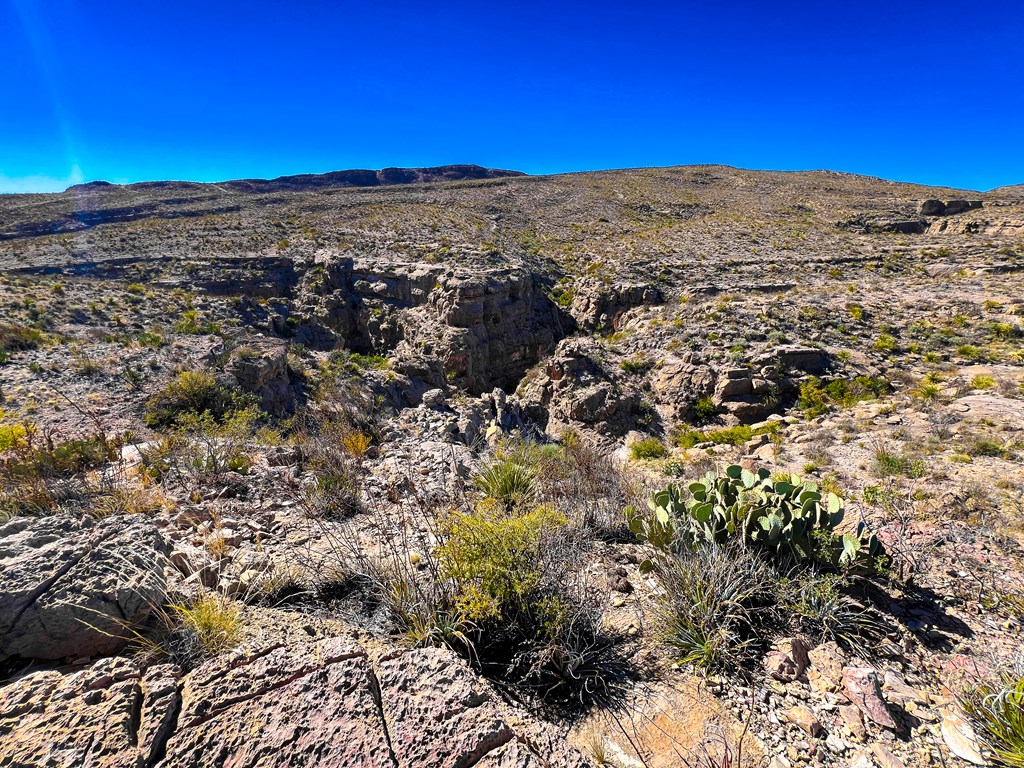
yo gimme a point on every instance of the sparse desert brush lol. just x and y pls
(637, 365)
(648, 448)
(129, 500)
(357, 444)
(886, 463)
(982, 381)
(193, 393)
(14, 338)
(970, 352)
(204, 626)
(192, 323)
(704, 411)
(817, 397)
(716, 600)
(725, 436)
(494, 556)
(885, 343)
(927, 391)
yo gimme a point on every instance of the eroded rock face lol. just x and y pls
(111, 714)
(469, 329)
(294, 705)
(574, 388)
(70, 588)
(312, 704)
(262, 370)
(487, 330)
(598, 307)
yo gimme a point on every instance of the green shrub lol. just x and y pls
(648, 448)
(982, 446)
(194, 393)
(374, 362)
(637, 365)
(493, 558)
(886, 342)
(514, 592)
(12, 435)
(927, 391)
(888, 464)
(817, 397)
(703, 411)
(192, 323)
(726, 436)
(151, 339)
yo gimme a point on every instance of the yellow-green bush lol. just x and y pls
(194, 392)
(494, 559)
(649, 448)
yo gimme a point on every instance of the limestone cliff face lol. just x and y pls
(466, 328)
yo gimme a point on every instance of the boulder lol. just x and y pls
(960, 737)
(72, 588)
(953, 207)
(805, 719)
(308, 704)
(108, 715)
(794, 357)
(600, 307)
(440, 714)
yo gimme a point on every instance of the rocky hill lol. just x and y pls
(354, 469)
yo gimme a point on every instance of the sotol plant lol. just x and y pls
(789, 518)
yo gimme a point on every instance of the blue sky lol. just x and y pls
(931, 91)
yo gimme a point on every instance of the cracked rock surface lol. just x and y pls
(70, 588)
(321, 703)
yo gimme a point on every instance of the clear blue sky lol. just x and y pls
(927, 91)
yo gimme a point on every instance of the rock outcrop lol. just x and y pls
(262, 370)
(469, 329)
(947, 207)
(313, 704)
(600, 307)
(72, 588)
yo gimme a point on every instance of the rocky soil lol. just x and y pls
(395, 333)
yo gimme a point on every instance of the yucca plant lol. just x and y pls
(997, 711)
(507, 482)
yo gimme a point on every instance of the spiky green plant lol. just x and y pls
(997, 711)
(508, 482)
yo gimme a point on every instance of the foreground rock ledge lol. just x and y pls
(311, 704)
(71, 588)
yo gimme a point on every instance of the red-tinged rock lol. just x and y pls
(861, 686)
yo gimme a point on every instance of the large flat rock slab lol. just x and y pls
(72, 588)
(312, 704)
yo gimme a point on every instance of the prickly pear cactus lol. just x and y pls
(788, 517)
